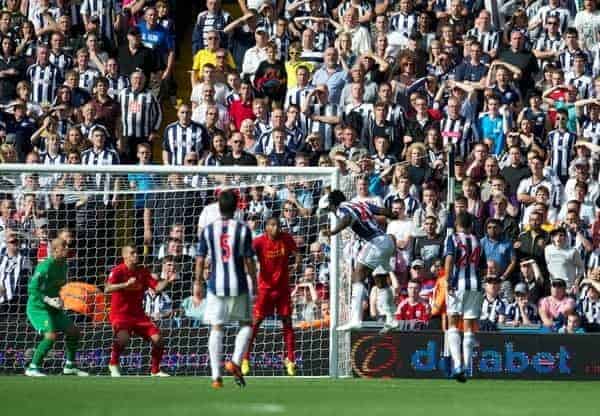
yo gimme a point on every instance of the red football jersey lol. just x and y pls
(273, 257)
(127, 304)
(407, 312)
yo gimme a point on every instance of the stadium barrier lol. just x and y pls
(497, 356)
(185, 352)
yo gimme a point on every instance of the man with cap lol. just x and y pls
(377, 251)
(255, 55)
(493, 309)
(563, 262)
(133, 55)
(521, 312)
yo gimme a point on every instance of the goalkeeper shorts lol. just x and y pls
(46, 320)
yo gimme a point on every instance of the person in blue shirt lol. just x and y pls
(494, 125)
(501, 252)
(141, 182)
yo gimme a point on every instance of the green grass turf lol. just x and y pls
(66, 396)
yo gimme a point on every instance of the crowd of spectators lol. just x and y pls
(376, 89)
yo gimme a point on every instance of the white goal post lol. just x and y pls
(162, 208)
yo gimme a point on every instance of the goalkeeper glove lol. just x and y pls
(55, 303)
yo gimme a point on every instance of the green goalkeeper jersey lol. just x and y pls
(49, 276)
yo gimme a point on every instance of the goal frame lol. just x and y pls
(335, 251)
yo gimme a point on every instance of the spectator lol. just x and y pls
(554, 309)
(14, 271)
(588, 308)
(564, 263)
(413, 308)
(499, 249)
(521, 312)
(493, 309)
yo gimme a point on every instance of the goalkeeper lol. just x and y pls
(46, 314)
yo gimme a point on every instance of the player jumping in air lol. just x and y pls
(228, 243)
(46, 314)
(273, 250)
(464, 299)
(378, 250)
(127, 283)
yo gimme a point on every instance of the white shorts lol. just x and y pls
(224, 309)
(378, 252)
(466, 303)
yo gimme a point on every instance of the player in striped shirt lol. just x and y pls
(464, 300)
(377, 250)
(228, 243)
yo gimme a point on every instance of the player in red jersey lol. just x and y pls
(128, 282)
(273, 249)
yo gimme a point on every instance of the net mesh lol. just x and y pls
(162, 214)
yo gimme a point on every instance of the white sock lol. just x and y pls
(446, 352)
(241, 343)
(215, 351)
(468, 344)
(358, 293)
(455, 350)
(385, 300)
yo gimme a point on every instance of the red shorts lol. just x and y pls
(270, 300)
(144, 328)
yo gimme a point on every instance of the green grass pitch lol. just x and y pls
(131, 396)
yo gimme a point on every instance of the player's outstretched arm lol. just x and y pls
(113, 287)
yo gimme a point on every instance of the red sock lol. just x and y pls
(290, 341)
(255, 327)
(115, 353)
(157, 352)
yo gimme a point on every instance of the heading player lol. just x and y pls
(228, 243)
(45, 311)
(273, 250)
(128, 283)
(464, 299)
(377, 252)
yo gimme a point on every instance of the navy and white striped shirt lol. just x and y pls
(179, 141)
(403, 23)
(411, 204)
(513, 313)
(492, 309)
(105, 10)
(326, 130)
(362, 215)
(13, 273)
(100, 182)
(207, 21)
(589, 310)
(561, 145)
(458, 131)
(44, 81)
(466, 252)
(87, 78)
(297, 96)
(62, 61)
(116, 85)
(141, 113)
(489, 40)
(228, 243)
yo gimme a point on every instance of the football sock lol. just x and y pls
(455, 348)
(384, 303)
(357, 296)
(156, 355)
(290, 341)
(241, 343)
(115, 353)
(215, 351)
(255, 327)
(41, 351)
(72, 344)
(468, 344)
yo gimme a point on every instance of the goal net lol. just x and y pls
(162, 210)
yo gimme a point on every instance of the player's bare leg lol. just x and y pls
(290, 345)
(40, 353)
(455, 344)
(215, 352)
(119, 344)
(156, 356)
(241, 344)
(245, 366)
(72, 337)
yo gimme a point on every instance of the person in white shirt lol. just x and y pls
(587, 23)
(403, 230)
(254, 56)
(563, 262)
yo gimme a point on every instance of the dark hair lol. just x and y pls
(464, 220)
(336, 197)
(227, 203)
